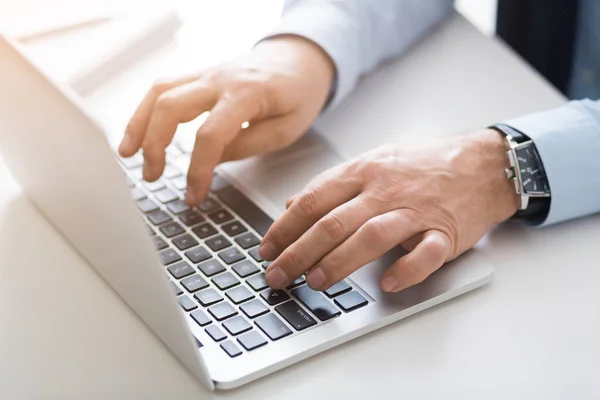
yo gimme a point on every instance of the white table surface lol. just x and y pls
(532, 334)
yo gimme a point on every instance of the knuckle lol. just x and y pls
(308, 203)
(333, 227)
(437, 248)
(376, 231)
(294, 261)
(165, 102)
(161, 85)
(331, 266)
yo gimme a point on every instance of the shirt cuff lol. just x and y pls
(568, 141)
(326, 24)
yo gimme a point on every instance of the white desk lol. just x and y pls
(533, 333)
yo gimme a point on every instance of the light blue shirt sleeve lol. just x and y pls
(568, 140)
(360, 34)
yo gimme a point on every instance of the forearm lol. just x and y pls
(568, 140)
(359, 34)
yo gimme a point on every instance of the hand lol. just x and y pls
(279, 88)
(435, 200)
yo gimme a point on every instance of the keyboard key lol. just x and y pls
(295, 315)
(254, 254)
(179, 183)
(166, 195)
(257, 282)
(171, 229)
(176, 289)
(231, 255)
(237, 325)
(211, 267)
(158, 217)
(272, 326)
(201, 318)
(198, 254)
(337, 289)
(251, 340)
(159, 243)
(218, 243)
(216, 333)
(171, 172)
(137, 174)
(208, 297)
(184, 242)
(218, 183)
(351, 301)
(147, 206)
(178, 207)
(225, 281)
(191, 217)
(154, 186)
(137, 194)
(274, 297)
(316, 302)
(254, 308)
(186, 303)
(222, 311)
(204, 230)
(247, 210)
(247, 240)
(297, 282)
(239, 294)
(245, 268)
(180, 270)
(231, 348)
(194, 283)
(266, 264)
(220, 216)
(234, 228)
(209, 205)
(135, 161)
(169, 256)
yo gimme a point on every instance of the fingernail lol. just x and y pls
(389, 283)
(316, 278)
(276, 278)
(267, 251)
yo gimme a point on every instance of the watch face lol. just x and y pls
(532, 171)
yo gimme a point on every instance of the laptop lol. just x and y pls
(194, 276)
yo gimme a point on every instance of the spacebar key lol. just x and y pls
(316, 302)
(247, 210)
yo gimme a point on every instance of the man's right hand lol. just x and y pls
(280, 88)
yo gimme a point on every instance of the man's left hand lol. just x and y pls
(436, 200)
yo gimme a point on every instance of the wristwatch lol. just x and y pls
(527, 173)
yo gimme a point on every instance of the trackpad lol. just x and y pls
(369, 276)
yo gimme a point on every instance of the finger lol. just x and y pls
(327, 234)
(223, 124)
(136, 129)
(259, 138)
(175, 106)
(413, 268)
(319, 197)
(373, 239)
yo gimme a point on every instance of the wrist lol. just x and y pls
(296, 53)
(505, 201)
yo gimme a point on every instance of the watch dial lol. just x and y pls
(532, 171)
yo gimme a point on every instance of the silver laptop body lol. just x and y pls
(64, 163)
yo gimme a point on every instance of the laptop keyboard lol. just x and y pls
(210, 254)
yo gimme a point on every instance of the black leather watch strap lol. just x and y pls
(538, 207)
